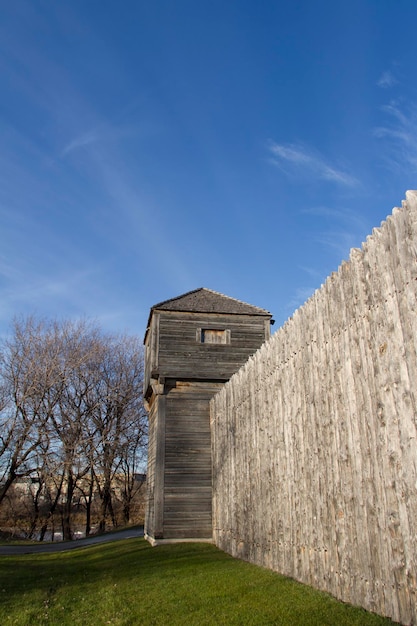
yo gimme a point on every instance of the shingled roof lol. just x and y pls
(207, 301)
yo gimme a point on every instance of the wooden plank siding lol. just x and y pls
(182, 356)
(187, 488)
(150, 476)
(151, 353)
(183, 372)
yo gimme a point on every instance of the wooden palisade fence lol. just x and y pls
(314, 439)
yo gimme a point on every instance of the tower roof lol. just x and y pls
(207, 301)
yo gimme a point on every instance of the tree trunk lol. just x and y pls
(11, 477)
(67, 508)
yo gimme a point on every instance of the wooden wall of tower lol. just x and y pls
(183, 370)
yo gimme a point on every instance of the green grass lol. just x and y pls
(128, 582)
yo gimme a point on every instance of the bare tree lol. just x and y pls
(26, 377)
(130, 477)
(119, 416)
(71, 415)
(80, 345)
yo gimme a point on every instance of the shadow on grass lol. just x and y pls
(129, 582)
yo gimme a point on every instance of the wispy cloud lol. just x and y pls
(342, 230)
(400, 132)
(104, 133)
(80, 142)
(296, 158)
(80, 184)
(350, 218)
(386, 80)
(338, 230)
(300, 297)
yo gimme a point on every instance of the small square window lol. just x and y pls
(213, 335)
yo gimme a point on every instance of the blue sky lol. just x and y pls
(151, 148)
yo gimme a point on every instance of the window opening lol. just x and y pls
(214, 335)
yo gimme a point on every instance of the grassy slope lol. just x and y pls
(129, 582)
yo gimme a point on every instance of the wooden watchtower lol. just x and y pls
(193, 345)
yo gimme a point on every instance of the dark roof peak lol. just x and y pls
(205, 300)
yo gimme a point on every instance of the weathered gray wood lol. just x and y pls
(314, 438)
(183, 374)
(159, 466)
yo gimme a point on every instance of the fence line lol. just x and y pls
(314, 439)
